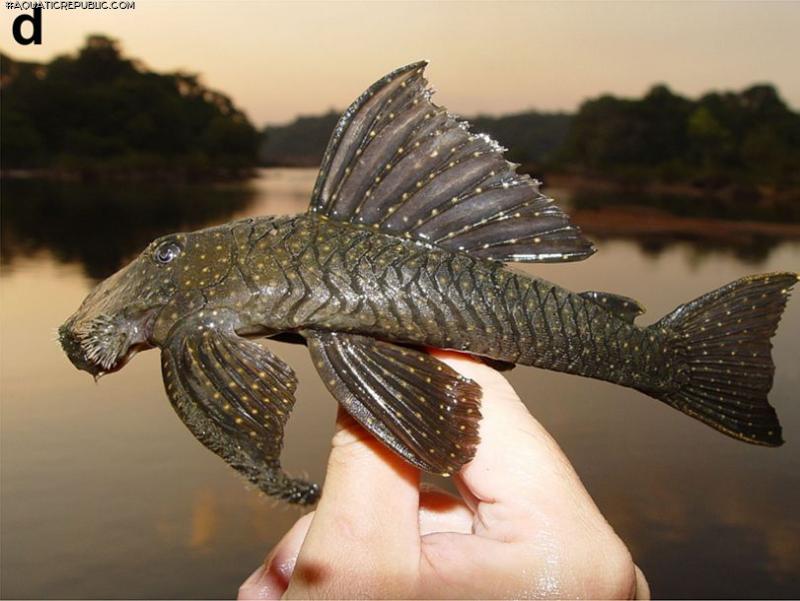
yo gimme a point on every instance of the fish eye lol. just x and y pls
(166, 252)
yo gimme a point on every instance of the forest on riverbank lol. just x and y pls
(97, 113)
(100, 114)
(725, 153)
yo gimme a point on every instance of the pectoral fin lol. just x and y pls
(415, 404)
(235, 397)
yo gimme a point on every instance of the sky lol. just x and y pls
(281, 59)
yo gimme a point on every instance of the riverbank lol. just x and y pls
(166, 175)
(716, 200)
(644, 221)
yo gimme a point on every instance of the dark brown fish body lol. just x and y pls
(403, 247)
(313, 273)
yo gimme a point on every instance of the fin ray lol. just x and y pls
(235, 397)
(724, 338)
(415, 404)
(400, 163)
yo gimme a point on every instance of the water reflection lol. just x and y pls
(753, 250)
(732, 206)
(205, 521)
(694, 520)
(100, 225)
(657, 222)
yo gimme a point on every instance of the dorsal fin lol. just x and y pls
(622, 306)
(406, 166)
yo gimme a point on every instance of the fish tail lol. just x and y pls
(723, 338)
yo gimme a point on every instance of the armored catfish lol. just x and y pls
(411, 221)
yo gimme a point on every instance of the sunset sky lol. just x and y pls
(278, 60)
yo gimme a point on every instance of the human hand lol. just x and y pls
(524, 526)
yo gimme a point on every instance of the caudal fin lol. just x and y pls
(724, 339)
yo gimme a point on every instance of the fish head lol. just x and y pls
(135, 308)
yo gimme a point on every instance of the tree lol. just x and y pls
(101, 111)
(747, 137)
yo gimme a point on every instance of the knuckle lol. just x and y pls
(346, 437)
(353, 449)
(349, 432)
(312, 574)
(346, 459)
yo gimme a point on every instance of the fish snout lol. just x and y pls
(104, 344)
(73, 346)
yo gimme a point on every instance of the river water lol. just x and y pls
(106, 494)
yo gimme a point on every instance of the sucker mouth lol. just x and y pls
(121, 361)
(101, 347)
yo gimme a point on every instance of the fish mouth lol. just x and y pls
(122, 361)
(104, 345)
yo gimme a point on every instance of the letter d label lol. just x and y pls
(35, 20)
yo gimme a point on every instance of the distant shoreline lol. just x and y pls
(174, 175)
(656, 187)
(551, 179)
(629, 219)
(644, 221)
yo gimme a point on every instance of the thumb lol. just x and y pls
(271, 579)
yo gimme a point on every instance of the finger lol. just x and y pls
(442, 512)
(271, 578)
(368, 511)
(519, 474)
(642, 586)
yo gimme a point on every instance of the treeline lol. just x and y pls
(100, 113)
(749, 138)
(300, 143)
(531, 137)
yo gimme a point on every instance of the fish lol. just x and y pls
(405, 247)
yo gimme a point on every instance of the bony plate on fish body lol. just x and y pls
(404, 245)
